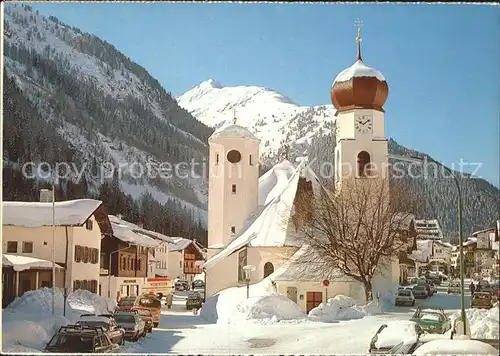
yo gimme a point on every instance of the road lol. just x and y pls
(182, 332)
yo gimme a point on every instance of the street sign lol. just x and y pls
(326, 283)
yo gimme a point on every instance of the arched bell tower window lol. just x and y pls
(337, 165)
(268, 269)
(363, 164)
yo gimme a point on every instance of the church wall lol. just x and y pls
(259, 256)
(222, 275)
(352, 289)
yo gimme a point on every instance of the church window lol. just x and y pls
(233, 229)
(234, 156)
(250, 160)
(242, 262)
(337, 164)
(363, 164)
(268, 269)
(233, 188)
(217, 158)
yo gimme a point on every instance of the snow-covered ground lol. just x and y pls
(183, 332)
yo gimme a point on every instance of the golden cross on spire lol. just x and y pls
(359, 24)
(234, 115)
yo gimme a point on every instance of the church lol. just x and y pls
(253, 221)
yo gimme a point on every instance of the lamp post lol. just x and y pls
(248, 272)
(461, 252)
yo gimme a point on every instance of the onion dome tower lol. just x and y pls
(359, 86)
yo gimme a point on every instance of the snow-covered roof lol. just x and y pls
(37, 214)
(358, 69)
(233, 130)
(21, 263)
(269, 224)
(180, 244)
(131, 233)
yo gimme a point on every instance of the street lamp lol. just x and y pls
(457, 183)
(248, 269)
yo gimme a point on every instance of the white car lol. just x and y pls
(405, 297)
(455, 347)
(392, 333)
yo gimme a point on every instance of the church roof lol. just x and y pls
(358, 69)
(268, 225)
(233, 130)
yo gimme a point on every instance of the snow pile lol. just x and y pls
(264, 306)
(28, 320)
(483, 322)
(343, 308)
(456, 347)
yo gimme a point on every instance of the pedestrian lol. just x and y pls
(169, 300)
(472, 287)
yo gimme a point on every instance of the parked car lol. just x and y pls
(126, 303)
(455, 347)
(132, 323)
(484, 286)
(433, 321)
(405, 296)
(194, 300)
(148, 319)
(420, 292)
(393, 333)
(454, 287)
(151, 303)
(115, 333)
(481, 300)
(80, 339)
(159, 295)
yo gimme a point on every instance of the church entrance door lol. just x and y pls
(291, 293)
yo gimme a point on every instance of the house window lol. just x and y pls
(45, 243)
(242, 262)
(180, 264)
(27, 247)
(250, 160)
(233, 188)
(363, 164)
(11, 246)
(233, 230)
(89, 224)
(78, 256)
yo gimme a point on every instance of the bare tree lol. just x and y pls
(356, 230)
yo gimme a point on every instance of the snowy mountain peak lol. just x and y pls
(211, 83)
(272, 117)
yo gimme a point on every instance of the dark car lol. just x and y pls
(146, 315)
(132, 323)
(80, 339)
(481, 300)
(194, 300)
(420, 292)
(115, 333)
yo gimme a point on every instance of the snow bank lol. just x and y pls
(455, 347)
(28, 321)
(343, 308)
(264, 306)
(483, 322)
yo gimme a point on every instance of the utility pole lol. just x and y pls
(54, 247)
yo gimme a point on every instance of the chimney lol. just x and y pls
(45, 196)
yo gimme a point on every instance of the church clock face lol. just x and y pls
(363, 124)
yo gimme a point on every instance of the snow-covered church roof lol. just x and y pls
(269, 224)
(233, 130)
(358, 69)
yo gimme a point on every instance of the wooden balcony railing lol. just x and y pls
(192, 270)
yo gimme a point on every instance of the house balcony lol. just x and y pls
(192, 270)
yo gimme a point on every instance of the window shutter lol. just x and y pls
(78, 256)
(85, 254)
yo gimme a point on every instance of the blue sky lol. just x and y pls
(441, 61)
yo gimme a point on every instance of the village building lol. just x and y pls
(29, 237)
(128, 261)
(254, 221)
(185, 259)
(428, 229)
